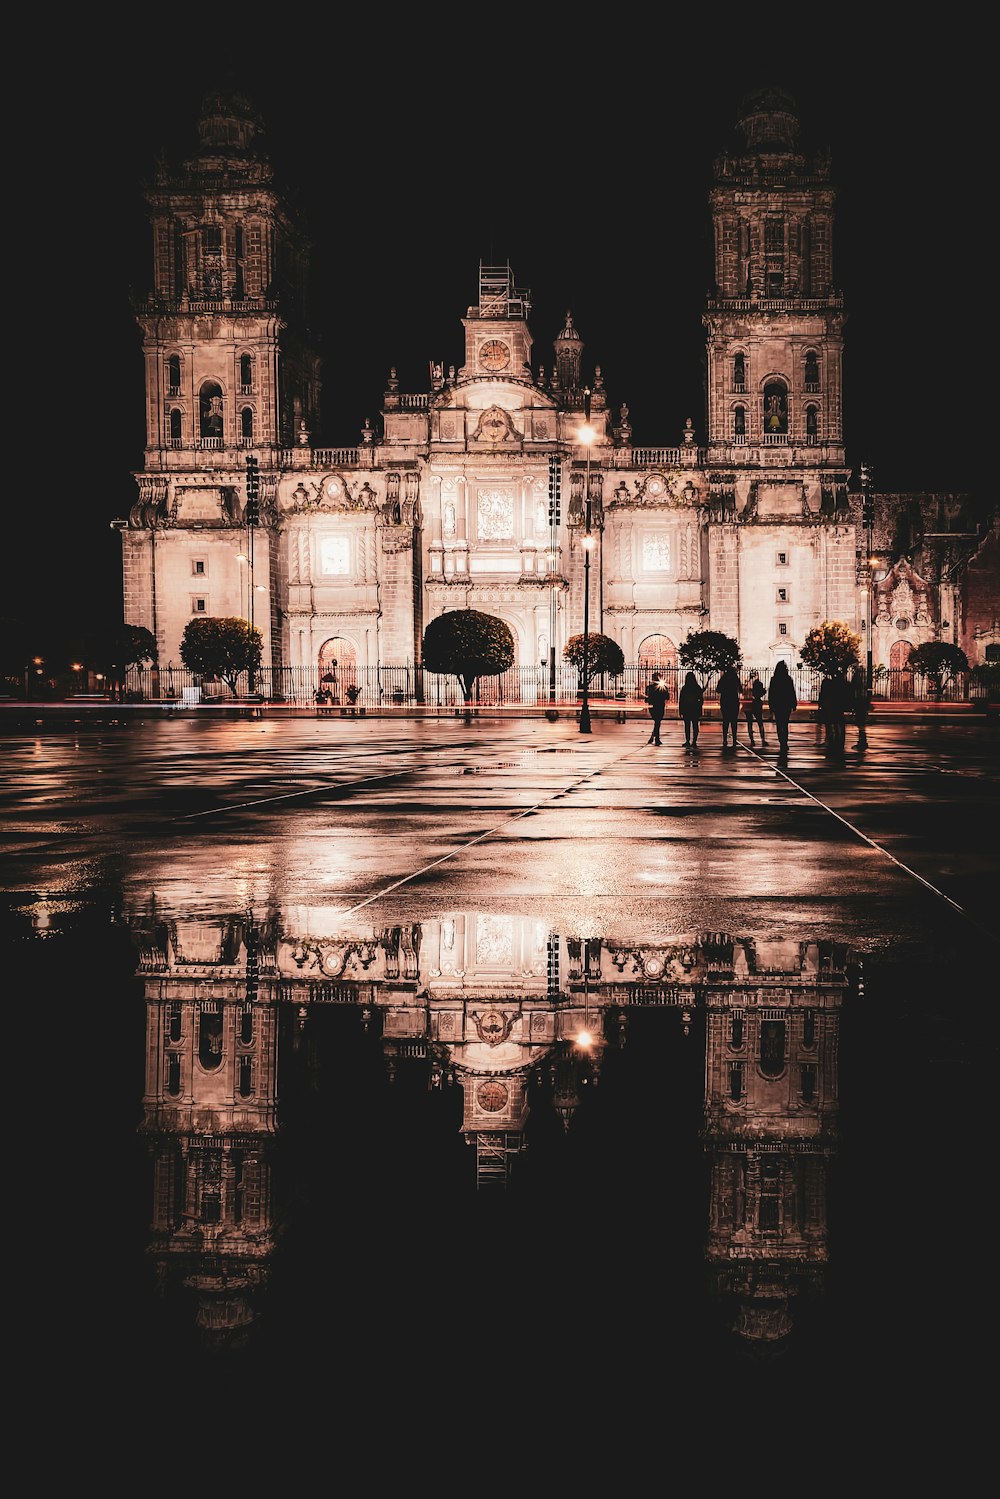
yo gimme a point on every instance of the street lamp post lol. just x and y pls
(586, 435)
(555, 483)
(34, 666)
(868, 520)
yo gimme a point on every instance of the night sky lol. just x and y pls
(416, 154)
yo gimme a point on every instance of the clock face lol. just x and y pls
(492, 1097)
(494, 355)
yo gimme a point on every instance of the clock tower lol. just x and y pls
(497, 340)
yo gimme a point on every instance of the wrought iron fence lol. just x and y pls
(387, 687)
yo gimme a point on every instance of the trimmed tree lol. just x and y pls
(223, 648)
(468, 644)
(124, 646)
(830, 648)
(603, 655)
(939, 661)
(708, 651)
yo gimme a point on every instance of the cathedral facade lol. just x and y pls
(479, 491)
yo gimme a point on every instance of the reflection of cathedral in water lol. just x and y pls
(513, 1021)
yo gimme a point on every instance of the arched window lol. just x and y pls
(246, 422)
(740, 421)
(812, 371)
(210, 410)
(175, 425)
(174, 374)
(246, 373)
(775, 408)
(245, 1084)
(239, 246)
(772, 1047)
(211, 261)
(210, 1039)
(739, 371)
(812, 423)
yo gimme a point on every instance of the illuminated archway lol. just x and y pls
(899, 667)
(338, 666)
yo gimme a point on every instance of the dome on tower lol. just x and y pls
(769, 120)
(569, 334)
(226, 125)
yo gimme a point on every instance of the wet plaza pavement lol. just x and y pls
(769, 1159)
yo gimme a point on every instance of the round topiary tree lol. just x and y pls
(830, 648)
(468, 644)
(223, 647)
(604, 655)
(939, 661)
(707, 651)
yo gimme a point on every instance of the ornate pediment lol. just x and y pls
(332, 492)
(495, 428)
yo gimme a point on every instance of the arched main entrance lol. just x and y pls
(657, 653)
(900, 673)
(338, 667)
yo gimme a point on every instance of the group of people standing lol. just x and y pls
(840, 697)
(837, 697)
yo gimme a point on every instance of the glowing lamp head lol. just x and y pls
(589, 541)
(587, 435)
(584, 1040)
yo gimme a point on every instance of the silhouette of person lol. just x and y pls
(782, 700)
(657, 697)
(838, 703)
(861, 705)
(689, 704)
(730, 692)
(753, 706)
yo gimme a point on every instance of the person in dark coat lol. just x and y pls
(657, 697)
(838, 705)
(753, 706)
(861, 704)
(782, 700)
(730, 692)
(689, 703)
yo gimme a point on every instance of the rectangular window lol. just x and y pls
(782, 628)
(199, 606)
(198, 566)
(782, 595)
(782, 559)
(774, 236)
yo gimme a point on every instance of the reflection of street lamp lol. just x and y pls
(586, 435)
(252, 518)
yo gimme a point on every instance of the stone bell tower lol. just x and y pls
(778, 481)
(229, 373)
